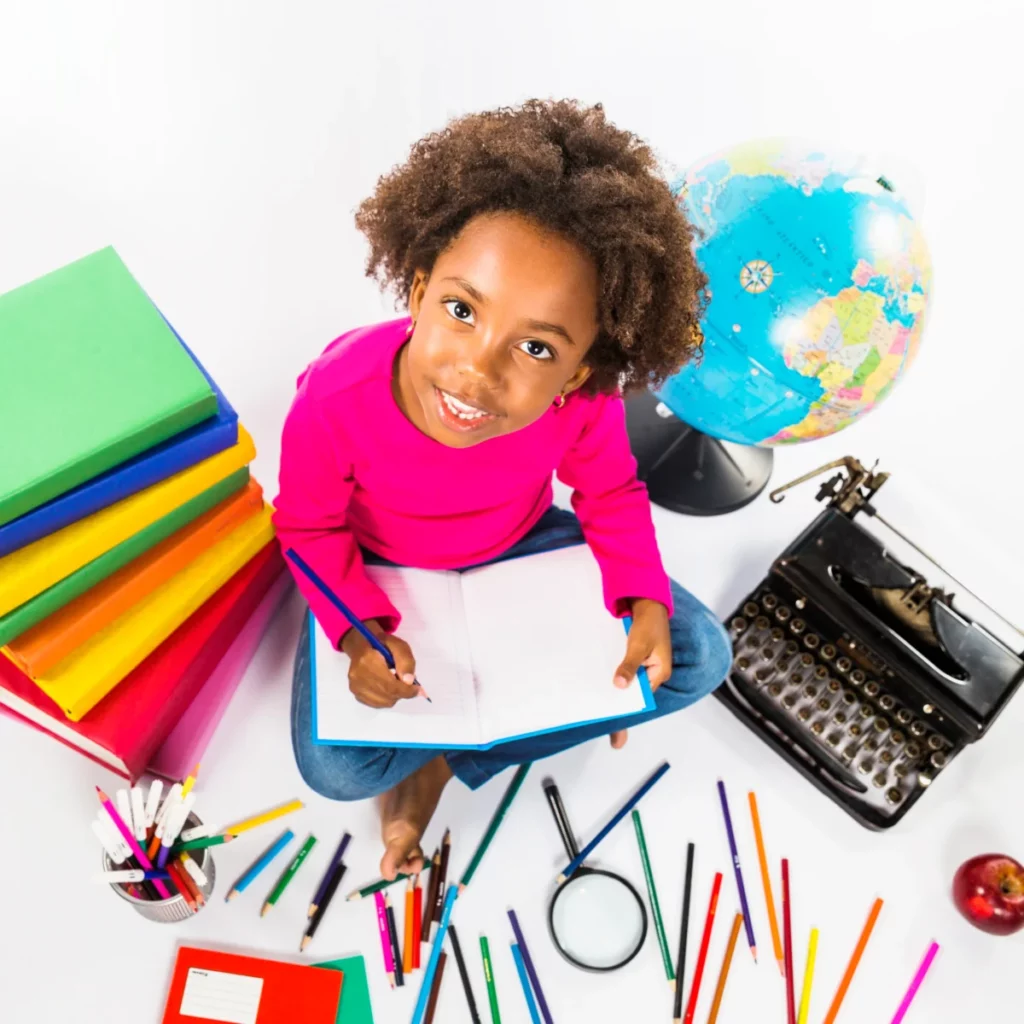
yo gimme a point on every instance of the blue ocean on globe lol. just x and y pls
(819, 280)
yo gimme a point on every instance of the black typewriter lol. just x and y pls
(866, 677)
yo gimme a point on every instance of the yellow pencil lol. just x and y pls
(805, 997)
(186, 786)
(262, 819)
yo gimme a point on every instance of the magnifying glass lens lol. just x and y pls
(597, 921)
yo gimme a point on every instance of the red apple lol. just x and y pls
(989, 891)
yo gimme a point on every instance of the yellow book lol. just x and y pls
(85, 677)
(30, 570)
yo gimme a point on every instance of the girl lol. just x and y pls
(545, 266)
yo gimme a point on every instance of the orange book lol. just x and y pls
(53, 639)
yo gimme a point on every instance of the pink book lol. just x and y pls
(185, 745)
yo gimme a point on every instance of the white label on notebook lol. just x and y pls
(214, 995)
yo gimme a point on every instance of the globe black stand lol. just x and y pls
(690, 472)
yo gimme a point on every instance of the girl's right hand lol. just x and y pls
(369, 678)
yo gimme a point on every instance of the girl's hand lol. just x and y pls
(369, 678)
(649, 644)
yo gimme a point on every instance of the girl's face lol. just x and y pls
(503, 322)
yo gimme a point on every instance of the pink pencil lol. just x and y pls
(916, 983)
(144, 862)
(385, 936)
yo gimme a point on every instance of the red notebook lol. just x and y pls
(123, 731)
(212, 986)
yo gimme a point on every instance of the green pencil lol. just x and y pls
(381, 884)
(492, 992)
(199, 844)
(492, 828)
(652, 893)
(288, 874)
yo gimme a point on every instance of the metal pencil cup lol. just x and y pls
(175, 908)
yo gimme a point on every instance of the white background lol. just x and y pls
(222, 148)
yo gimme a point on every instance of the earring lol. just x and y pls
(409, 331)
(560, 401)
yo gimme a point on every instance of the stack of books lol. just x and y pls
(138, 566)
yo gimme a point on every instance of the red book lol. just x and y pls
(213, 986)
(124, 730)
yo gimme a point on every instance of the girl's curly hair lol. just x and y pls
(567, 168)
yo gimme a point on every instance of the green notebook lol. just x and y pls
(354, 1007)
(25, 616)
(90, 375)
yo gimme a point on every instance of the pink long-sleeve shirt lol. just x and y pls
(356, 473)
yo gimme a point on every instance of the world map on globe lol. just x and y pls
(819, 281)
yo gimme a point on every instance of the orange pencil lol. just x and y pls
(723, 974)
(407, 945)
(766, 881)
(702, 956)
(833, 1010)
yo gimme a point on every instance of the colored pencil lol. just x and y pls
(129, 875)
(805, 995)
(652, 895)
(288, 874)
(531, 971)
(260, 864)
(766, 882)
(184, 885)
(467, 987)
(186, 786)
(200, 844)
(144, 862)
(506, 802)
(684, 928)
(385, 883)
(356, 622)
(396, 949)
(492, 990)
(623, 811)
(385, 938)
(747, 923)
(408, 929)
(326, 880)
(435, 988)
(844, 985)
(435, 952)
(524, 981)
(431, 894)
(194, 870)
(321, 910)
(261, 819)
(442, 881)
(417, 922)
(723, 974)
(915, 985)
(787, 936)
(194, 884)
(702, 956)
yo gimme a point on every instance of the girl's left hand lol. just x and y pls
(649, 644)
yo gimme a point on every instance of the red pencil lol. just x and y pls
(691, 1006)
(417, 922)
(176, 873)
(787, 938)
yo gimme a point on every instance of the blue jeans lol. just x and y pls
(701, 656)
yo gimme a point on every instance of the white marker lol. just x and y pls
(196, 832)
(129, 875)
(153, 802)
(138, 814)
(115, 851)
(123, 802)
(172, 801)
(197, 873)
(177, 818)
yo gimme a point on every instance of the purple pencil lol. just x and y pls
(530, 970)
(926, 964)
(736, 867)
(144, 862)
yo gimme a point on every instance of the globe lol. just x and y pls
(819, 281)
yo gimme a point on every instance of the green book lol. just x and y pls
(25, 616)
(90, 375)
(354, 1007)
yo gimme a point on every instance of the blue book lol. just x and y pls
(213, 435)
(506, 651)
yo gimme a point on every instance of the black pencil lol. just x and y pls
(467, 987)
(677, 1010)
(396, 949)
(325, 902)
(442, 878)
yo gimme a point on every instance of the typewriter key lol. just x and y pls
(777, 635)
(881, 725)
(880, 779)
(742, 664)
(918, 729)
(901, 768)
(834, 738)
(768, 653)
(783, 614)
(824, 704)
(848, 754)
(857, 677)
(753, 640)
(897, 737)
(886, 757)
(828, 652)
(801, 603)
(872, 688)
(903, 716)
(894, 796)
(855, 729)
(769, 601)
(797, 626)
(795, 677)
(738, 624)
(844, 665)
(764, 674)
(782, 665)
(750, 609)
(913, 751)
(833, 686)
(870, 746)
(840, 718)
(865, 711)
(887, 703)
(849, 699)
(923, 780)
(818, 728)
(865, 767)
(761, 622)
(775, 689)
(803, 714)
(939, 759)
(806, 660)
(811, 641)
(821, 672)
(935, 742)
(788, 701)
(791, 647)
(811, 691)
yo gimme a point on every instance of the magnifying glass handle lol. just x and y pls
(561, 819)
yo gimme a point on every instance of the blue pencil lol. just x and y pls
(531, 1003)
(627, 807)
(736, 868)
(357, 623)
(435, 954)
(524, 952)
(260, 864)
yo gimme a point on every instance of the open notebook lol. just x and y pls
(509, 650)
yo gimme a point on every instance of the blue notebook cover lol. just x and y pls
(214, 435)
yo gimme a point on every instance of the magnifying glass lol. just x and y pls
(597, 920)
